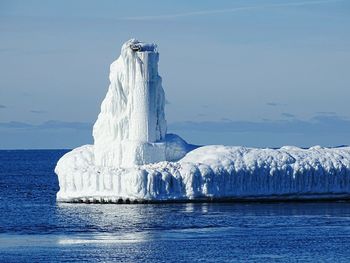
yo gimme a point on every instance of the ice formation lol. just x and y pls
(133, 159)
(131, 126)
(211, 172)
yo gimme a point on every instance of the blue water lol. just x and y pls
(34, 228)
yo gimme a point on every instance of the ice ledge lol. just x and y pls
(272, 198)
(210, 173)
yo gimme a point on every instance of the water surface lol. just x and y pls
(34, 228)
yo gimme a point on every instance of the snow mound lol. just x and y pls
(210, 172)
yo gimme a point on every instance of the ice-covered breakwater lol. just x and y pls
(134, 159)
(211, 172)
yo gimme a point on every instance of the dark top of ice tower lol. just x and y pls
(142, 47)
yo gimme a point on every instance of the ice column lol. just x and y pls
(131, 126)
(143, 124)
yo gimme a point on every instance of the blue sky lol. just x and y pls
(257, 73)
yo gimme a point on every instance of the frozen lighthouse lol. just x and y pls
(131, 128)
(133, 158)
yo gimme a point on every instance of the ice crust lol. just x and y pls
(211, 172)
(131, 126)
(133, 158)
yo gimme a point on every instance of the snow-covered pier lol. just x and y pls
(134, 160)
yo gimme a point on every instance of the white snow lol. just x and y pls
(133, 158)
(211, 172)
(132, 115)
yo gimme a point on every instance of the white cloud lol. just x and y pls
(228, 10)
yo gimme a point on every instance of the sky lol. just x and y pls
(258, 73)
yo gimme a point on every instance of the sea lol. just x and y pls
(35, 228)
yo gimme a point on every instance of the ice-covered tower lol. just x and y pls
(131, 126)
